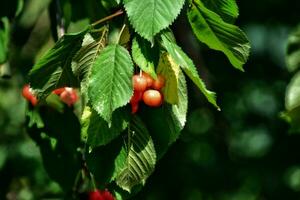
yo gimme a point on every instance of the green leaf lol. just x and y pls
(292, 104)
(97, 130)
(145, 56)
(85, 58)
(292, 98)
(101, 161)
(293, 51)
(4, 39)
(165, 123)
(179, 111)
(170, 70)
(188, 67)
(293, 118)
(149, 17)
(34, 118)
(20, 6)
(137, 160)
(54, 70)
(210, 29)
(58, 140)
(110, 85)
(227, 9)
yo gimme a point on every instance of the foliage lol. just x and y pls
(292, 98)
(100, 61)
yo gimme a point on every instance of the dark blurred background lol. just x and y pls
(244, 152)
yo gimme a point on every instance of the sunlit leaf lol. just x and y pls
(227, 9)
(149, 17)
(110, 85)
(145, 56)
(210, 29)
(137, 159)
(188, 67)
(54, 70)
(170, 71)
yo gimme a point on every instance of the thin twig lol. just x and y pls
(119, 12)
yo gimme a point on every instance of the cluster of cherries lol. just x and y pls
(67, 95)
(147, 89)
(100, 195)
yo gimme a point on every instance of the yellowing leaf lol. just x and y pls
(170, 71)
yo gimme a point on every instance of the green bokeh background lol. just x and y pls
(243, 152)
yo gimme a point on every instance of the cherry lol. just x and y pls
(148, 78)
(139, 83)
(28, 95)
(34, 101)
(107, 195)
(58, 91)
(134, 107)
(159, 82)
(136, 97)
(95, 195)
(26, 92)
(152, 98)
(100, 195)
(69, 96)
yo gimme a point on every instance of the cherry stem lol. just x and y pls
(119, 12)
(93, 182)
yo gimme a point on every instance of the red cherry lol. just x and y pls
(158, 83)
(152, 98)
(95, 195)
(69, 96)
(139, 83)
(34, 101)
(134, 107)
(136, 97)
(107, 195)
(28, 95)
(26, 92)
(58, 91)
(148, 78)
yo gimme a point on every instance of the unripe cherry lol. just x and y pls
(139, 83)
(158, 83)
(152, 98)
